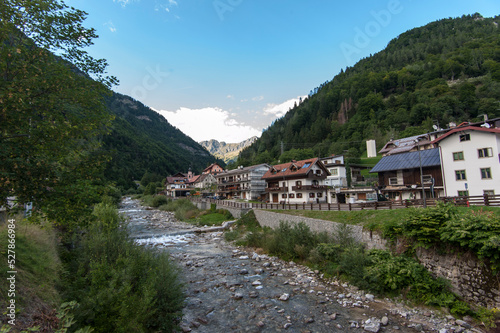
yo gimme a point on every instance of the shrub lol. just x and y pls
(159, 200)
(122, 287)
(424, 224)
(477, 231)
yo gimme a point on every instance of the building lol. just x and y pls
(180, 184)
(470, 159)
(297, 182)
(242, 183)
(213, 169)
(205, 183)
(399, 175)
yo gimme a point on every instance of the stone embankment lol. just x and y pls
(235, 289)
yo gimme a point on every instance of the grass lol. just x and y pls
(372, 219)
(38, 272)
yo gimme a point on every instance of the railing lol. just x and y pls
(482, 200)
(276, 189)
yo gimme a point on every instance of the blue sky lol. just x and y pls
(225, 69)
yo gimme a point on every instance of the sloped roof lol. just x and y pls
(299, 168)
(411, 160)
(240, 170)
(404, 144)
(467, 128)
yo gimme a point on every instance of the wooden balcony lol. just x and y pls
(309, 188)
(276, 189)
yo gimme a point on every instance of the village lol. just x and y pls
(457, 162)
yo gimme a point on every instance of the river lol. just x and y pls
(234, 289)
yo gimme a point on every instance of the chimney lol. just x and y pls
(371, 148)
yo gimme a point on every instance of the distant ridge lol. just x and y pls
(226, 151)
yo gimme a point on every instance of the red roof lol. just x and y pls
(293, 168)
(467, 128)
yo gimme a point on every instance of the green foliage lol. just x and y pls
(445, 71)
(52, 114)
(144, 146)
(424, 224)
(477, 231)
(120, 286)
(159, 200)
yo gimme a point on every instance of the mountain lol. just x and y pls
(446, 71)
(143, 140)
(226, 151)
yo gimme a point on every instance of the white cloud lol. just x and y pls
(279, 110)
(210, 123)
(258, 98)
(124, 3)
(110, 26)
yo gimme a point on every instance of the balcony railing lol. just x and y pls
(309, 187)
(276, 189)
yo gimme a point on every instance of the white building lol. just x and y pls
(336, 166)
(470, 159)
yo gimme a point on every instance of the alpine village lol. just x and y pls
(371, 205)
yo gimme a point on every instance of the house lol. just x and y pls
(297, 182)
(341, 191)
(213, 169)
(205, 183)
(470, 159)
(400, 176)
(180, 184)
(243, 182)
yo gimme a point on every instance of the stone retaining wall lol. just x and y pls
(469, 276)
(272, 220)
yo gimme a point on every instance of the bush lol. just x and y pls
(159, 200)
(120, 286)
(477, 231)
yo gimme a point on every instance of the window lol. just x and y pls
(458, 156)
(484, 152)
(292, 195)
(489, 192)
(427, 178)
(334, 172)
(311, 195)
(486, 173)
(463, 193)
(299, 195)
(284, 184)
(307, 165)
(393, 181)
(318, 172)
(464, 137)
(460, 175)
(298, 183)
(283, 195)
(319, 195)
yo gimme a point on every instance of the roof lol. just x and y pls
(467, 128)
(241, 170)
(293, 168)
(404, 144)
(411, 160)
(211, 166)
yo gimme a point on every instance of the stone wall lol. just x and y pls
(469, 276)
(236, 212)
(272, 220)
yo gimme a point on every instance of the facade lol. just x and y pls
(297, 182)
(336, 167)
(205, 183)
(213, 169)
(399, 175)
(242, 183)
(470, 158)
(180, 184)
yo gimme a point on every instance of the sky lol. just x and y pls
(226, 69)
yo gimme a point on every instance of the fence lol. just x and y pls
(482, 200)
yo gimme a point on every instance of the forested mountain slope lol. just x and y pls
(448, 70)
(143, 140)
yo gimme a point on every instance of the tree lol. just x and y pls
(52, 112)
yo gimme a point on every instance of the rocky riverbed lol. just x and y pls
(234, 289)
